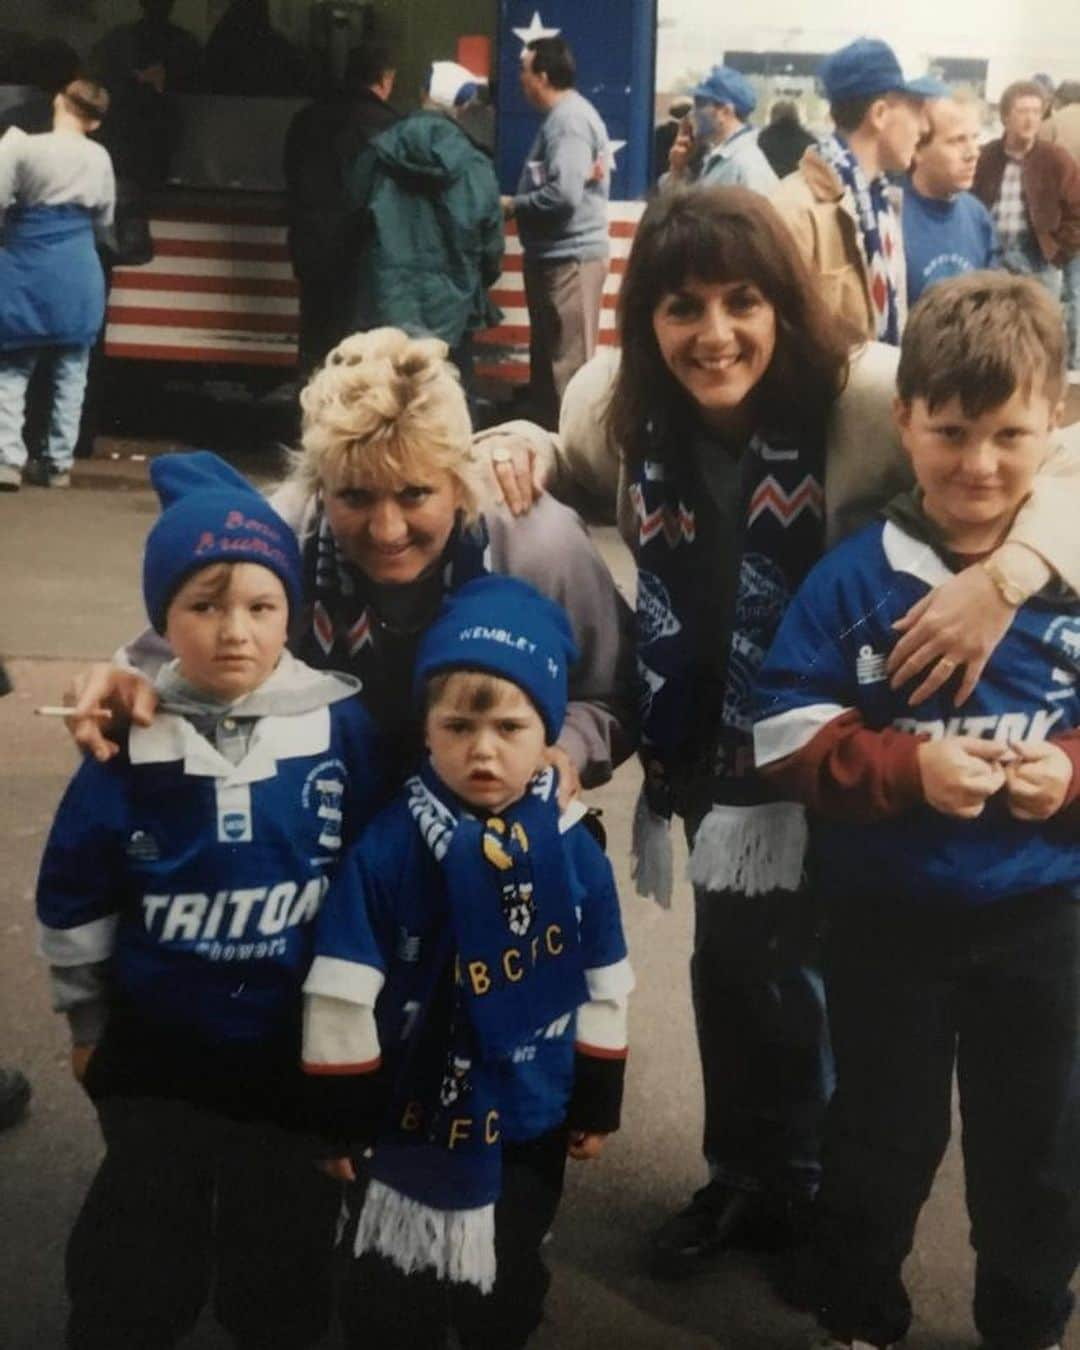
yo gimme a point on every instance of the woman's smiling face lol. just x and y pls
(393, 536)
(717, 339)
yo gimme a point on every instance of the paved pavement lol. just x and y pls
(70, 564)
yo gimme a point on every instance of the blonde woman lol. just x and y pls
(384, 500)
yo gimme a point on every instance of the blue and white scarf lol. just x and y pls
(696, 702)
(343, 630)
(877, 224)
(511, 965)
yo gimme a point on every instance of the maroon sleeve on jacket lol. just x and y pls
(848, 772)
(1068, 234)
(1069, 811)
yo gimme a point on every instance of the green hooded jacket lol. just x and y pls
(435, 230)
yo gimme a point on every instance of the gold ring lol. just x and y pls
(947, 664)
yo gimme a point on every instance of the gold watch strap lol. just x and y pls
(1009, 591)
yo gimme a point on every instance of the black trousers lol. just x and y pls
(185, 1200)
(759, 1009)
(383, 1309)
(914, 990)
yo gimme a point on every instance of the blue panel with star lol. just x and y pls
(614, 46)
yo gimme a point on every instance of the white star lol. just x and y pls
(535, 30)
(613, 149)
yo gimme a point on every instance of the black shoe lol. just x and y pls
(714, 1220)
(14, 1096)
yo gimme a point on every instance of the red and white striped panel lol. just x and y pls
(221, 288)
(503, 352)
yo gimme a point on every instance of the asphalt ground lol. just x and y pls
(70, 567)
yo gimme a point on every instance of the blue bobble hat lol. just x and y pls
(867, 67)
(505, 627)
(211, 514)
(723, 84)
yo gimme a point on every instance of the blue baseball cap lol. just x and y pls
(723, 84)
(867, 67)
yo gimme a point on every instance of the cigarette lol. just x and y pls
(50, 711)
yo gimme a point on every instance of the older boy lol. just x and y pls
(473, 939)
(955, 918)
(177, 900)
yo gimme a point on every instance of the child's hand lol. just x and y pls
(960, 772)
(1037, 781)
(81, 1055)
(337, 1169)
(585, 1147)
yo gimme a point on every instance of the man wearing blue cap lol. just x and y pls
(839, 205)
(722, 103)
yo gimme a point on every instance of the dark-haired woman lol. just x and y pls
(744, 432)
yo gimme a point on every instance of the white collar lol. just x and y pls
(170, 738)
(908, 554)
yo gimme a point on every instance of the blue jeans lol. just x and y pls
(1070, 299)
(69, 366)
(759, 1006)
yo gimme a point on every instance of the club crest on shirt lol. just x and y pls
(324, 794)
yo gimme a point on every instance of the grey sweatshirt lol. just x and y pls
(560, 208)
(57, 168)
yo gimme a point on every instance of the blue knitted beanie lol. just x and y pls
(211, 514)
(505, 627)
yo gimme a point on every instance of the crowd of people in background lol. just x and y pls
(325, 871)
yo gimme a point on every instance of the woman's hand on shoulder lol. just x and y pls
(514, 470)
(954, 628)
(569, 778)
(109, 694)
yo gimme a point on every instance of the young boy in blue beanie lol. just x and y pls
(177, 898)
(471, 979)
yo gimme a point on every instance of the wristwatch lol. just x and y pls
(1009, 591)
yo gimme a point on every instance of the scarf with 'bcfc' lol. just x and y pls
(511, 966)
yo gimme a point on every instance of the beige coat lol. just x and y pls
(865, 463)
(1063, 128)
(820, 212)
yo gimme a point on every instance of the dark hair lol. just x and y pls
(1020, 89)
(723, 234)
(784, 110)
(552, 57)
(86, 100)
(980, 337)
(367, 65)
(849, 113)
(475, 691)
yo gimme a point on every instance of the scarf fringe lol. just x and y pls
(457, 1244)
(652, 865)
(750, 850)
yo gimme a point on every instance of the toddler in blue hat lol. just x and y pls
(470, 986)
(177, 899)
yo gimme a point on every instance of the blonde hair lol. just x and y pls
(385, 411)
